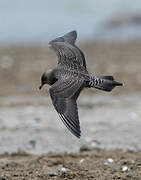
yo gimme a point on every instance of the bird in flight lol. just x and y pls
(69, 78)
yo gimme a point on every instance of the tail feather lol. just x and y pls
(105, 83)
(106, 77)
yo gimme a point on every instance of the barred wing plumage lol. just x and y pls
(64, 96)
(67, 51)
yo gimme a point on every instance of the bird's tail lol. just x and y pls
(105, 83)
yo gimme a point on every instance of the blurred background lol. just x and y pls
(109, 33)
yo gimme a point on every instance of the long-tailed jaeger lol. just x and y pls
(69, 78)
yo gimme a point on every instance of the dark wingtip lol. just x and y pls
(74, 33)
(79, 136)
(74, 130)
(70, 37)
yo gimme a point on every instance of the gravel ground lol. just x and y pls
(87, 164)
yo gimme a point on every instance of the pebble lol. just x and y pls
(64, 170)
(95, 143)
(33, 143)
(125, 168)
(106, 163)
(133, 149)
(53, 174)
(81, 160)
(110, 160)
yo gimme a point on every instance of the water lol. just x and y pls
(106, 121)
(39, 21)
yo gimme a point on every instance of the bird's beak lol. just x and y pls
(40, 87)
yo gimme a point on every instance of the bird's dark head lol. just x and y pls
(45, 79)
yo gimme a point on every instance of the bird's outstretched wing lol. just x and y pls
(64, 96)
(67, 51)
